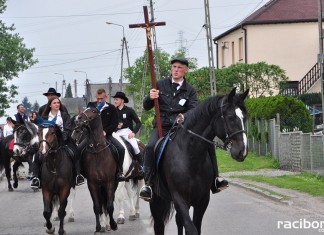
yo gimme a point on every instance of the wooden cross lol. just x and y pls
(148, 25)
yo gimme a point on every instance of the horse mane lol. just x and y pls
(32, 127)
(205, 108)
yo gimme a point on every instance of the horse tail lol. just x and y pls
(164, 209)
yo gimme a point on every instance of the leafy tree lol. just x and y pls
(27, 105)
(262, 79)
(35, 107)
(68, 92)
(14, 58)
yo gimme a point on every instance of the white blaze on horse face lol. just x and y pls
(16, 147)
(239, 113)
(35, 139)
(45, 130)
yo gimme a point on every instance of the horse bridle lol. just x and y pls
(28, 146)
(91, 147)
(51, 148)
(229, 136)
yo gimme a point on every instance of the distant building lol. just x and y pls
(282, 32)
(111, 89)
(77, 105)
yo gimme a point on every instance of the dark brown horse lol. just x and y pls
(98, 164)
(57, 175)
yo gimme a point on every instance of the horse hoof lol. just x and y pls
(114, 226)
(71, 220)
(108, 227)
(103, 229)
(15, 184)
(56, 218)
(132, 217)
(97, 233)
(120, 221)
(137, 215)
(10, 189)
(50, 231)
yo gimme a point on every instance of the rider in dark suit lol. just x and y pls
(109, 118)
(175, 96)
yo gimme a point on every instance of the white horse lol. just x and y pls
(128, 187)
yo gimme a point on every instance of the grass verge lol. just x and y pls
(251, 163)
(310, 183)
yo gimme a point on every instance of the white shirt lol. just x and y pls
(59, 119)
(7, 130)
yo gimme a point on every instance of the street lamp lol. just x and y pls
(63, 84)
(124, 45)
(78, 71)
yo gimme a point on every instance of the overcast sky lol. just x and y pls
(71, 35)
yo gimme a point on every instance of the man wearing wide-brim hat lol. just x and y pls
(51, 92)
(126, 118)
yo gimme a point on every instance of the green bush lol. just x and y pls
(293, 112)
(311, 98)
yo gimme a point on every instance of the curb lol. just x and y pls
(261, 192)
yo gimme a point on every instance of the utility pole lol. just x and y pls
(155, 48)
(210, 50)
(321, 55)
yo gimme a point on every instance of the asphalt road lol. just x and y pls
(233, 211)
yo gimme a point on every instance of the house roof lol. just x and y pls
(280, 11)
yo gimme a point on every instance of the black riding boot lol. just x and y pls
(35, 183)
(138, 157)
(146, 192)
(79, 178)
(218, 184)
(120, 174)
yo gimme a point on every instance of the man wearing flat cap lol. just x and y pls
(126, 119)
(175, 97)
(51, 92)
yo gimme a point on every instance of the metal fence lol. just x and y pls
(296, 151)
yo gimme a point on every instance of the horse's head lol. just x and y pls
(231, 128)
(50, 139)
(82, 123)
(25, 138)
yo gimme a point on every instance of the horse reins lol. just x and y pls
(227, 142)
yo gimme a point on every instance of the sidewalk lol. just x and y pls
(302, 201)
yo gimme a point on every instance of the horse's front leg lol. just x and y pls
(94, 192)
(131, 195)
(183, 210)
(199, 212)
(110, 205)
(47, 200)
(179, 223)
(120, 196)
(8, 175)
(62, 212)
(70, 201)
(15, 169)
(139, 186)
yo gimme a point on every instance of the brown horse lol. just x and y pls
(98, 164)
(57, 175)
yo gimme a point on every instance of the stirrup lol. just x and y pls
(35, 183)
(148, 199)
(80, 181)
(222, 183)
